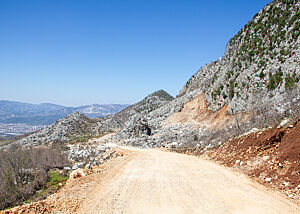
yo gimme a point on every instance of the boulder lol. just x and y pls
(76, 174)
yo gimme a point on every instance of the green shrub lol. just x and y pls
(80, 139)
(289, 81)
(240, 65)
(262, 75)
(278, 77)
(275, 80)
(284, 52)
(55, 177)
(213, 95)
(262, 63)
(231, 91)
(229, 74)
(281, 59)
(272, 83)
(214, 78)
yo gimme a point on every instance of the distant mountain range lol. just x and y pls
(76, 125)
(47, 113)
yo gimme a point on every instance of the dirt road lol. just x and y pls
(153, 181)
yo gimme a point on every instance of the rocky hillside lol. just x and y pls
(77, 127)
(74, 127)
(144, 107)
(260, 64)
(255, 84)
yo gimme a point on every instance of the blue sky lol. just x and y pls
(75, 52)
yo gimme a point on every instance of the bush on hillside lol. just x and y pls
(24, 171)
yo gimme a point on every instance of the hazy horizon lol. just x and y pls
(88, 104)
(75, 53)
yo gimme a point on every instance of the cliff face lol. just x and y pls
(260, 67)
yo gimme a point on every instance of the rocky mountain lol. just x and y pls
(41, 114)
(254, 85)
(77, 127)
(260, 64)
(68, 129)
(47, 113)
(147, 105)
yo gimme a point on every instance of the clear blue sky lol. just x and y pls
(75, 52)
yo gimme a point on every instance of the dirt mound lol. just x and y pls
(272, 156)
(290, 146)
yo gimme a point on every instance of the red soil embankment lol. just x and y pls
(272, 156)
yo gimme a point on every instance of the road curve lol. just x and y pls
(154, 181)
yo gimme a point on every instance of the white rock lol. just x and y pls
(268, 179)
(284, 122)
(75, 167)
(265, 158)
(77, 174)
